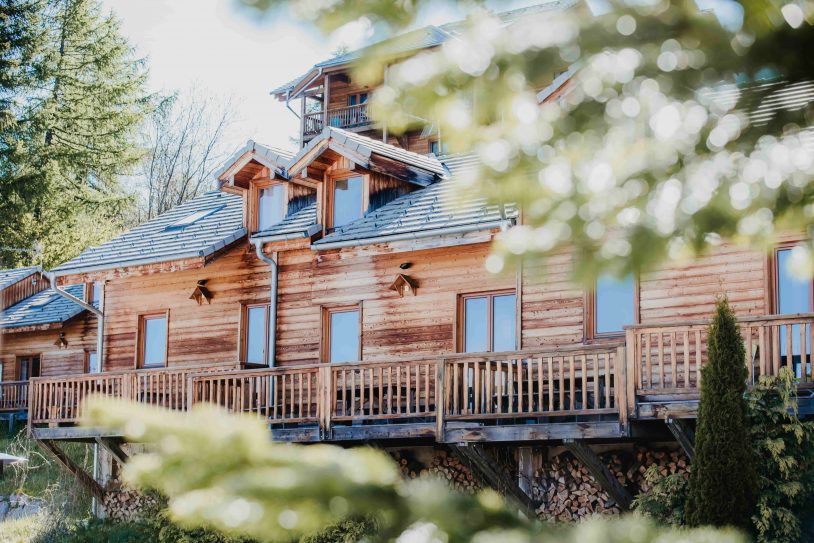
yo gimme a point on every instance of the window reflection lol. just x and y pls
(347, 201)
(344, 336)
(256, 337)
(155, 341)
(489, 323)
(615, 299)
(271, 206)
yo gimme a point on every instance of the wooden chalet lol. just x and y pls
(339, 292)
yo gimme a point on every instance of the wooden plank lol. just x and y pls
(684, 435)
(113, 447)
(600, 472)
(63, 460)
(484, 466)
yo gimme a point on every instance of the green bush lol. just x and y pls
(784, 451)
(722, 480)
(667, 499)
(347, 531)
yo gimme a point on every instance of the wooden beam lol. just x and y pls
(684, 435)
(484, 466)
(113, 447)
(610, 484)
(81, 476)
(457, 432)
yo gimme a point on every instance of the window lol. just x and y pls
(341, 334)
(256, 334)
(28, 367)
(791, 294)
(357, 99)
(193, 218)
(438, 148)
(347, 201)
(92, 362)
(488, 322)
(271, 206)
(153, 340)
(611, 306)
(93, 292)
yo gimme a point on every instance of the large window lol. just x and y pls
(341, 334)
(271, 206)
(488, 322)
(28, 367)
(153, 340)
(612, 305)
(93, 292)
(346, 200)
(791, 293)
(92, 362)
(256, 334)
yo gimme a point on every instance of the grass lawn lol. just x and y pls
(41, 476)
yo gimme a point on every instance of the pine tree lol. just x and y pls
(74, 133)
(722, 481)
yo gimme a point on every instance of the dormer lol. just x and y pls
(356, 175)
(257, 172)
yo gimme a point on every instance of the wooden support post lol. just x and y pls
(528, 461)
(440, 398)
(113, 447)
(610, 484)
(484, 466)
(620, 386)
(81, 476)
(632, 370)
(683, 434)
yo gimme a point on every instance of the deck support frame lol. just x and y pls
(586, 455)
(684, 435)
(71, 467)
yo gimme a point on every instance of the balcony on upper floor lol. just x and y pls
(353, 117)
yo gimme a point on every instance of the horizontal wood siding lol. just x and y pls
(80, 333)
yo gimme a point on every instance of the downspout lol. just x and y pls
(99, 312)
(288, 96)
(100, 343)
(258, 247)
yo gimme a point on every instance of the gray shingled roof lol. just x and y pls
(424, 213)
(364, 146)
(422, 38)
(11, 276)
(159, 241)
(301, 224)
(46, 307)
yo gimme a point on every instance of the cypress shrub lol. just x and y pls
(723, 478)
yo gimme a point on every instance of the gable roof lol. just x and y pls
(10, 276)
(43, 308)
(433, 211)
(273, 158)
(158, 240)
(357, 147)
(416, 40)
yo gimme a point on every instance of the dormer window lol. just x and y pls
(271, 205)
(347, 200)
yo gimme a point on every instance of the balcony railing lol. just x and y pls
(601, 381)
(667, 358)
(13, 395)
(343, 117)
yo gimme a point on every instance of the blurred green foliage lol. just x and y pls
(222, 472)
(650, 153)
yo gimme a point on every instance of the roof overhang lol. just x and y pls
(250, 154)
(325, 244)
(323, 150)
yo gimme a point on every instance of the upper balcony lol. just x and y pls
(354, 117)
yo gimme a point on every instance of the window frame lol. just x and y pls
(589, 313)
(88, 352)
(773, 278)
(90, 288)
(325, 332)
(358, 97)
(256, 188)
(460, 328)
(244, 332)
(142, 338)
(18, 366)
(330, 190)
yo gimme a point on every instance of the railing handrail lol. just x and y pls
(2, 383)
(705, 322)
(232, 366)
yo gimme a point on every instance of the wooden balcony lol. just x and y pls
(344, 117)
(13, 396)
(573, 391)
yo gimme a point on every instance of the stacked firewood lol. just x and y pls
(445, 465)
(667, 462)
(567, 491)
(124, 504)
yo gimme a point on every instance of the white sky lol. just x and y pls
(221, 48)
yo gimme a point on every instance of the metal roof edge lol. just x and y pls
(321, 245)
